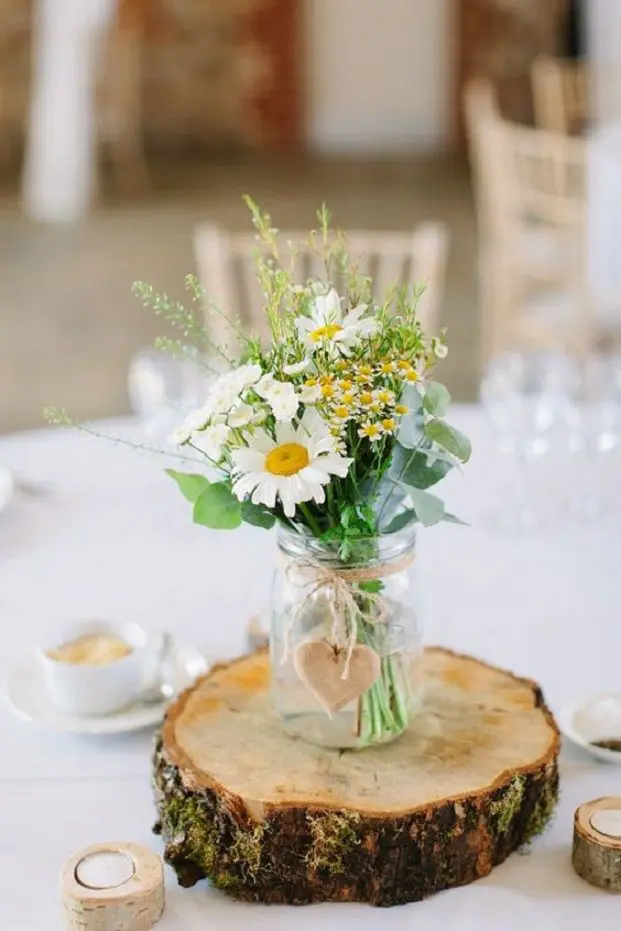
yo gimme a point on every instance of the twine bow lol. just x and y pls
(344, 606)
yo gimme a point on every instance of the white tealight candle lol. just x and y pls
(104, 870)
(607, 821)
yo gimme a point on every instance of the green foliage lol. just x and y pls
(420, 472)
(218, 508)
(449, 438)
(190, 484)
(429, 510)
(257, 516)
(505, 808)
(437, 399)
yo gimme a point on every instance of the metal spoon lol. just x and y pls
(162, 688)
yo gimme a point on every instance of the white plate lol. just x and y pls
(28, 699)
(7, 487)
(597, 718)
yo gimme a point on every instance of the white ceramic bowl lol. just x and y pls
(97, 690)
(597, 718)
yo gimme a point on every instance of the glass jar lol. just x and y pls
(346, 639)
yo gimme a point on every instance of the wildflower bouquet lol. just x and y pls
(334, 431)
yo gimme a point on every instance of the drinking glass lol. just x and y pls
(162, 389)
(527, 398)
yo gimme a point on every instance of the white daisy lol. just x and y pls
(327, 327)
(227, 388)
(283, 400)
(211, 440)
(294, 467)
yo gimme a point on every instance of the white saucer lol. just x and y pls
(7, 488)
(28, 699)
(597, 718)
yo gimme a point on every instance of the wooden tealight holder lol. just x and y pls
(597, 842)
(112, 887)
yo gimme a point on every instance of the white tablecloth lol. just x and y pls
(114, 539)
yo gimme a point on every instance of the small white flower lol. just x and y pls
(195, 420)
(241, 415)
(283, 400)
(309, 394)
(265, 384)
(294, 467)
(246, 376)
(297, 368)
(438, 348)
(211, 440)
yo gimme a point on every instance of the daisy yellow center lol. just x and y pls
(287, 459)
(371, 430)
(366, 397)
(328, 331)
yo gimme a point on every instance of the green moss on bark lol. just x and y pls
(332, 837)
(505, 809)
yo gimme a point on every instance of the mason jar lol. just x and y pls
(346, 638)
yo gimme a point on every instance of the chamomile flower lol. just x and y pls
(345, 384)
(371, 431)
(404, 365)
(365, 399)
(402, 409)
(387, 368)
(411, 376)
(327, 327)
(342, 412)
(363, 379)
(389, 425)
(348, 397)
(385, 396)
(328, 391)
(294, 467)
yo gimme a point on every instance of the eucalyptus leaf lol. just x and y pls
(449, 438)
(429, 509)
(218, 508)
(257, 516)
(190, 484)
(422, 473)
(452, 519)
(437, 398)
(399, 521)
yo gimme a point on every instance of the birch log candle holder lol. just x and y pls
(597, 843)
(112, 887)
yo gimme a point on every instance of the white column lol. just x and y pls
(603, 27)
(60, 169)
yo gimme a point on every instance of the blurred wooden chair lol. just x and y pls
(561, 101)
(226, 270)
(530, 193)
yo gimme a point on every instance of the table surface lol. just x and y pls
(114, 539)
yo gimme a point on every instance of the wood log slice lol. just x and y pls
(272, 819)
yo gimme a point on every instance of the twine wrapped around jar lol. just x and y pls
(341, 598)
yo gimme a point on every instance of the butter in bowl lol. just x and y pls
(97, 668)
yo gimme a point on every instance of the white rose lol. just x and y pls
(211, 440)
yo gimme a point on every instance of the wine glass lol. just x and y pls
(527, 397)
(162, 389)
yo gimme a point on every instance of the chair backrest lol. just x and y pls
(561, 99)
(226, 270)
